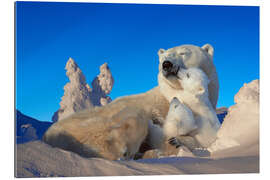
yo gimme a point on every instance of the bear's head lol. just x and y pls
(117, 144)
(121, 138)
(180, 119)
(187, 56)
(194, 81)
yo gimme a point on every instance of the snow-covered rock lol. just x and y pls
(78, 95)
(29, 132)
(76, 92)
(28, 128)
(102, 86)
(241, 125)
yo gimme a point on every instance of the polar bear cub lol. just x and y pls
(179, 120)
(194, 95)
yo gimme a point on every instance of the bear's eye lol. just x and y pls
(171, 55)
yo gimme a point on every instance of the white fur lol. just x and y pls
(179, 121)
(195, 95)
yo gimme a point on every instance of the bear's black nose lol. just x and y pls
(167, 66)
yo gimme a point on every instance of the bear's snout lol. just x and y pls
(167, 66)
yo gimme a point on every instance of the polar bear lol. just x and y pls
(179, 120)
(195, 96)
(118, 137)
(154, 103)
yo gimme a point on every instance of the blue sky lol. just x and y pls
(127, 36)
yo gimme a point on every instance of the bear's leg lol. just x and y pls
(182, 140)
(191, 143)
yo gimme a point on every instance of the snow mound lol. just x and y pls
(241, 125)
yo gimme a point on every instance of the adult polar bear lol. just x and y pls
(73, 133)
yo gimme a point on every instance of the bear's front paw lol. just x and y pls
(174, 142)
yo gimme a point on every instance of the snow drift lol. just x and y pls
(240, 129)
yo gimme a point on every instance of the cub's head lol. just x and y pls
(175, 110)
(179, 119)
(182, 57)
(194, 81)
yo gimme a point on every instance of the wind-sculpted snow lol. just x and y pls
(37, 159)
(241, 125)
(78, 95)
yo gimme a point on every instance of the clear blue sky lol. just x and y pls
(127, 36)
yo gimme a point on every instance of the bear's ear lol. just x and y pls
(161, 51)
(201, 90)
(209, 49)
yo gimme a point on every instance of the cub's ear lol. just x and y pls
(161, 51)
(209, 49)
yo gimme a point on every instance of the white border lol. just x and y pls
(7, 84)
(192, 2)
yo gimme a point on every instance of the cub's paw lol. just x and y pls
(174, 142)
(201, 152)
